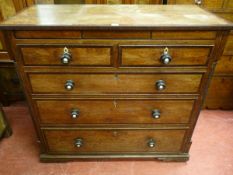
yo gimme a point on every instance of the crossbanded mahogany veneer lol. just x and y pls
(115, 81)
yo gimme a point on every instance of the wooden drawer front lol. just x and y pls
(5, 57)
(81, 55)
(225, 65)
(229, 45)
(114, 83)
(2, 44)
(213, 4)
(150, 55)
(114, 140)
(228, 4)
(184, 35)
(116, 34)
(47, 34)
(114, 111)
(226, 15)
(220, 93)
(209, 4)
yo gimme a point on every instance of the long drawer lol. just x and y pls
(123, 140)
(114, 111)
(114, 83)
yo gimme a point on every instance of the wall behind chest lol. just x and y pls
(10, 89)
(221, 88)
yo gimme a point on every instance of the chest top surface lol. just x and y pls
(115, 16)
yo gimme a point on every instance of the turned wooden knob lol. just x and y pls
(78, 142)
(160, 85)
(69, 85)
(151, 143)
(156, 114)
(74, 113)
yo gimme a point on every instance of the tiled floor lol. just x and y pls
(211, 151)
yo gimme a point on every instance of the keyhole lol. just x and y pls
(115, 103)
(116, 77)
(115, 133)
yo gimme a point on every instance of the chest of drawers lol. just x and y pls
(115, 81)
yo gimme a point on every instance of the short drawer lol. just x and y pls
(82, 55)
(115, 111)
(183, 35)
(94, 141)
(114, 83)
(47, 34)
(151, 55)
(116, 34)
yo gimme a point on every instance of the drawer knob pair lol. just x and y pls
(78, 142)
(66, 57)
(69, 85)
(166, 57)
(75, 113)
(160, 85)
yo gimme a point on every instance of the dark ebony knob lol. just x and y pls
(78, 142)
(160, 85)
(165, 57)
(151, 143)
(156, 113)
(74, 113)
(66, 57)
(69, 85)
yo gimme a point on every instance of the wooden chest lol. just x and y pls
(115, 81)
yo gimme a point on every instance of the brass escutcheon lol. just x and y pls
(66, 50)
(165, 50)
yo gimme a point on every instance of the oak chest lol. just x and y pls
(115, 81)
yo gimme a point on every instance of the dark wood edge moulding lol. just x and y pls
(119, 28)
